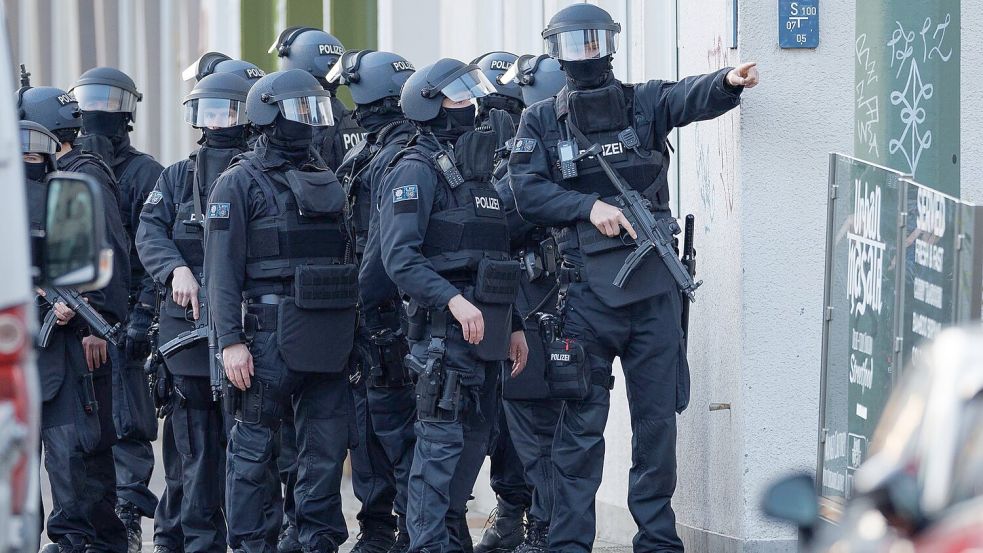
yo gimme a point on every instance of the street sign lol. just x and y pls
(798, 23)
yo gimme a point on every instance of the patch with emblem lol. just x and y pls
(405, 199)
(218, 211)
(487, 205)
(154, 198)
(524, 145)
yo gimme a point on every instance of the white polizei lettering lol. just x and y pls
(612, 149)
(328, 49)
(559, 357)
(501, 64)
(354, 138)
(486, 203)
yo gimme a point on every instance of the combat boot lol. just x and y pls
(321, 544)
(402, 543)
(536, 534)
(506, 532)
(288, 542)
(374, 538)
(130, 517)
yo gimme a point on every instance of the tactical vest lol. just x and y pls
(297, 250)
(467, 242)
(187, 235)
(601, 115)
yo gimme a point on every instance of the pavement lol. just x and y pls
(477, 518)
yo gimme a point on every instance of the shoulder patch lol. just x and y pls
(404, 193)
(154, 198)
(218, 211)
(524, 145)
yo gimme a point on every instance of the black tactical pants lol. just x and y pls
(532, 425)
(506, 473)
(393, 412)
(194, 454)
(321, 405)
(136, 428)
(373, 476)
(83, 480)
(448, 455)
(648, 339)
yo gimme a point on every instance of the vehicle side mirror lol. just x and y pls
(75, 252)
(793, 499)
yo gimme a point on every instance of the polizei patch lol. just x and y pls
(561, 357)
(487, 205)
(405, 199)
(154, 198)
(330, 49)
(403, 66)
(218, 211)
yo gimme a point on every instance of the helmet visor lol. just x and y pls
(36, 142)
(309, 110)
(214, 113)
(582, 44)
(472, 84)
(103, 97)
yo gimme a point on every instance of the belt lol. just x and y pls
(268, 299)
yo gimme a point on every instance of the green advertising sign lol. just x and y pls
(860, 349)
(907, 88)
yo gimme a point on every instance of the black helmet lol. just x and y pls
(370, 75)
(52, 108)
(581, 31)
(107, 89)
(217, 101)
(293, 94)
(538, 77)
(494, 65)
(307, 48)
(217, 62)
(426, 89)
(36, 139)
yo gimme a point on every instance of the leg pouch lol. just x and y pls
(567, 370)
(494, 293)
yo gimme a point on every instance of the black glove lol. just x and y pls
(137, 338)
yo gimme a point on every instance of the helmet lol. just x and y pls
(494, 65)
(52, 108)
(370, 75)
(35, 139)
(426, 89)
(580, 32)
(217, 62)
(217, 101)
(107, 89)
(307, 48)
(292, 94)
(538, 77)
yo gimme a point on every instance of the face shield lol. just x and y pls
(214, 113)
(102, 97)
(37, 142)
(582, 44)
(345, 70)
(309, 110)
(470, 85)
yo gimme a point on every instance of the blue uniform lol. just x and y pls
(440, 238)
(641, 323)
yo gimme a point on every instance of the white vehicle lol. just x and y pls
(60, 266)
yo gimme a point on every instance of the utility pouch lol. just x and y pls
(497, 281)
(326, 287)
(388, 349)
(567, 370)
(250, 408)
(301, 337)
(318, 193)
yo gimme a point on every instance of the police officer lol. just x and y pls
(507, 480)
(77, 432)
(384, 401)
(170, 241)
(640, 323)
(445, 244)
(530, 413)
(108, 99)
(276, 240)
(316, 52)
